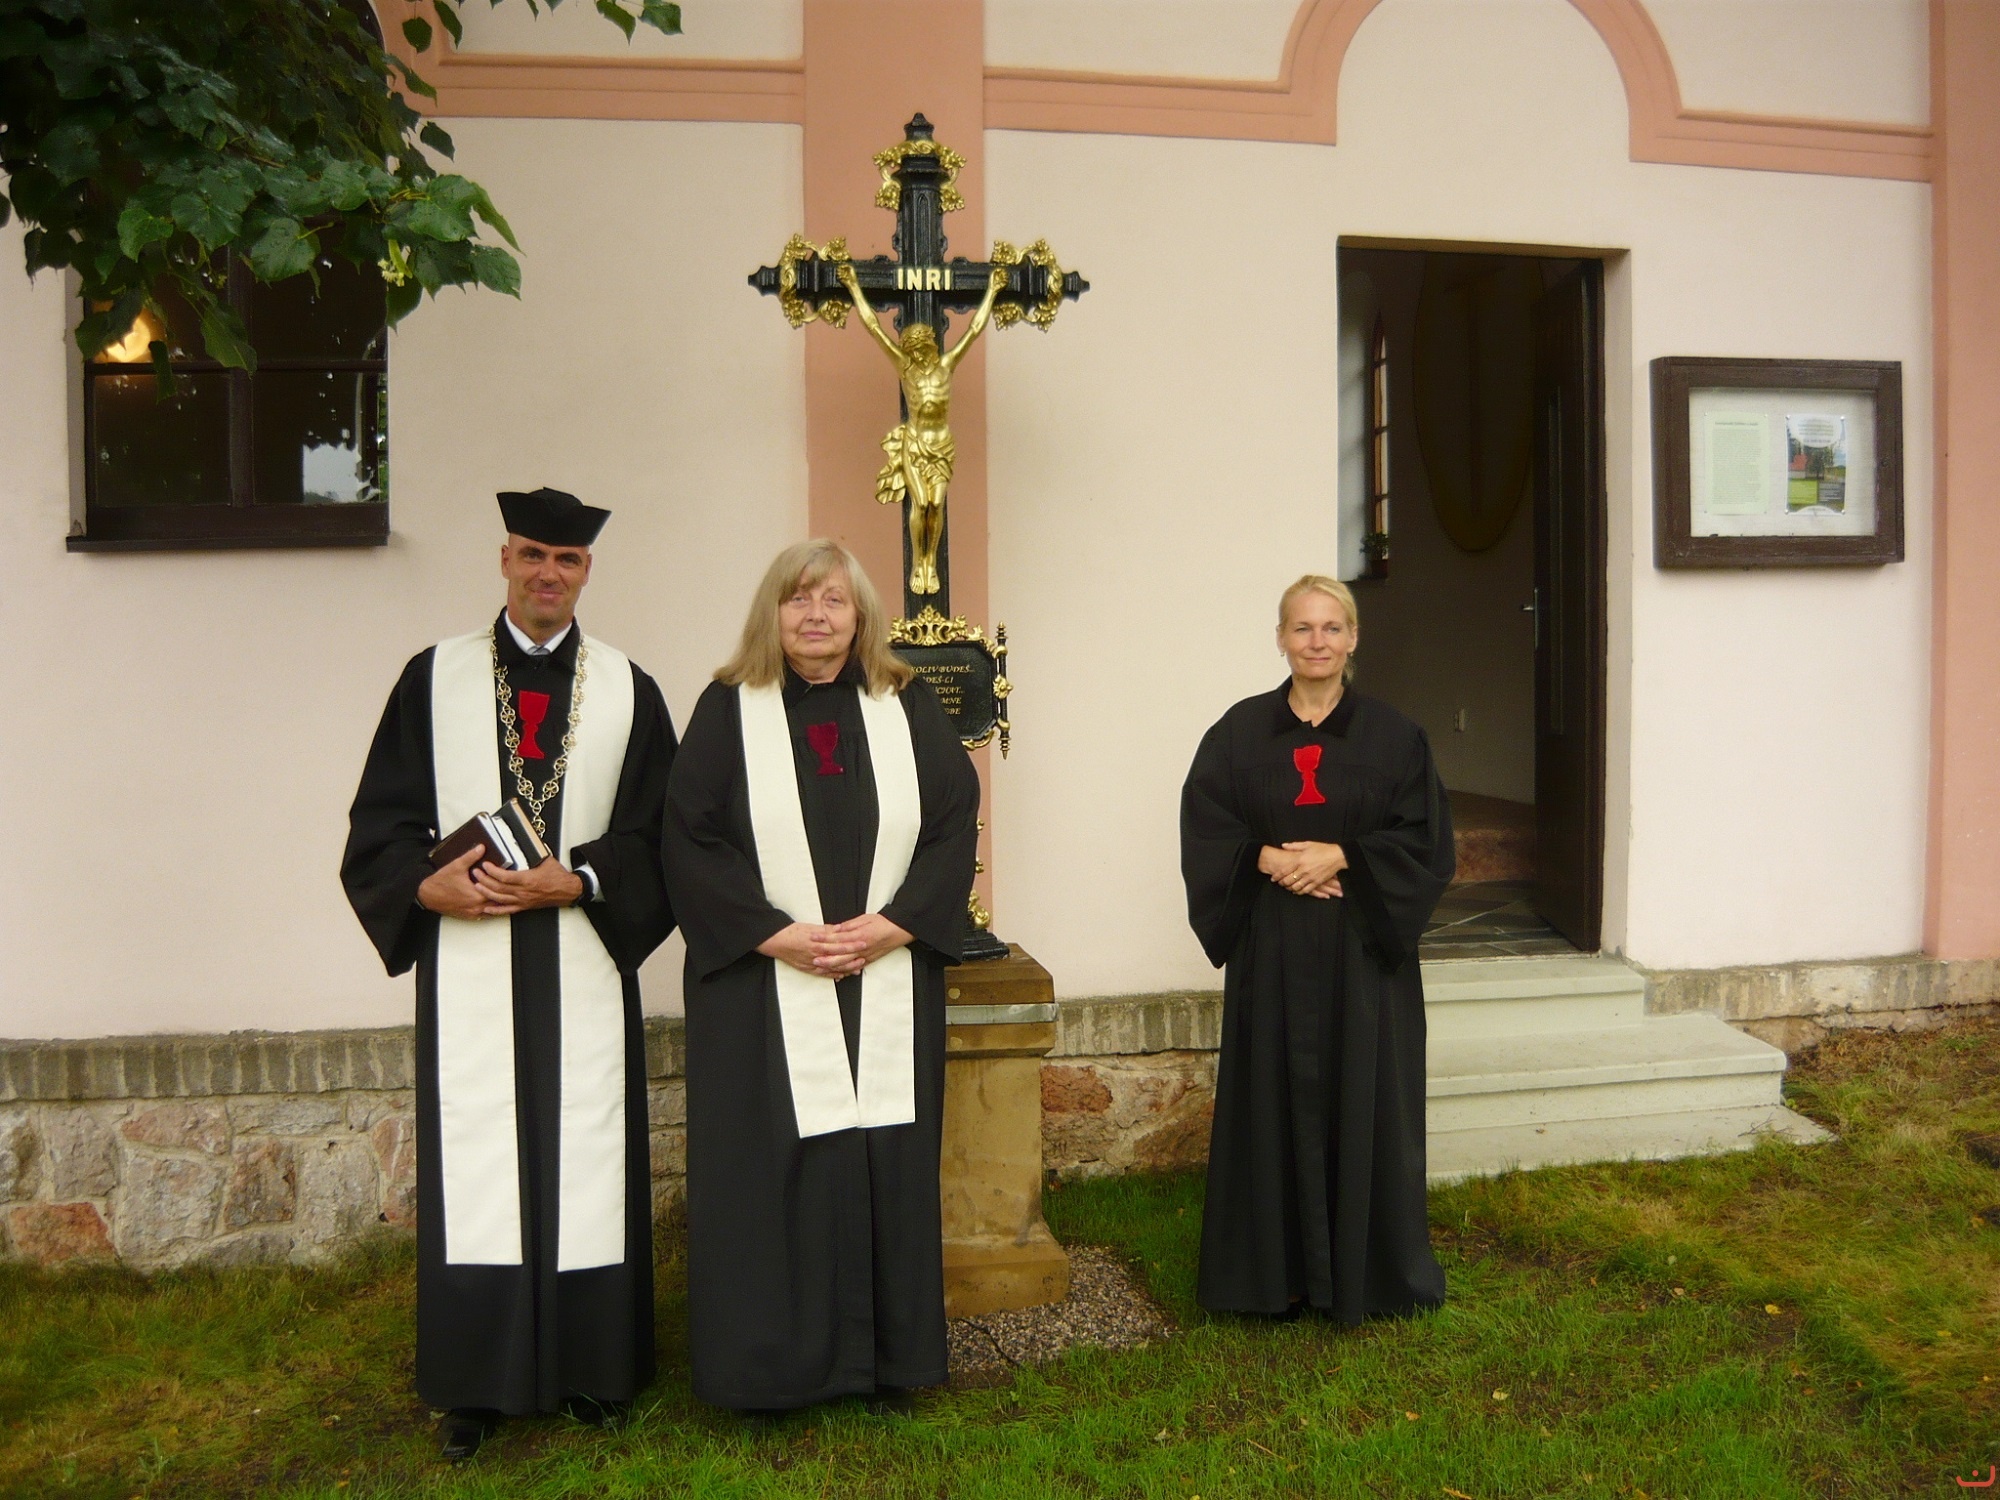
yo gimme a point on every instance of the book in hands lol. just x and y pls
(508, 835)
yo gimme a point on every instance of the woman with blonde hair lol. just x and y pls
(821, 821)
(1315, 841)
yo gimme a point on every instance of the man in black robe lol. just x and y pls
(1316, 1182)
(534, 1213)
(814, 1264)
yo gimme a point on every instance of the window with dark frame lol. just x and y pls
(294, 455)
(1375, 544)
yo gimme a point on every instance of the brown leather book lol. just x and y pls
(455, 845)
(508, 836)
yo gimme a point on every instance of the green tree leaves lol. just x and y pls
(148, 145)
(138, 227)
(285, 248)
(496, 270)
(226, 337)
(618, 16)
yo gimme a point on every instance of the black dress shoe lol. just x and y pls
(892, 1401)
(464, 1431)
(606, 1416)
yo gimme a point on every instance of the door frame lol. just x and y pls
(1594, 718)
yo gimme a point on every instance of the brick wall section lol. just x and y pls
(241, 1149)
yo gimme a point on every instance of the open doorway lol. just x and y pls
(1472, 530)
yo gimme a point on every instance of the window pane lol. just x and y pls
(182, 333)
(318, 437)
(343, 320)
(149, 452)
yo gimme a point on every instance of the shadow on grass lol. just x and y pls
(1789, 1322)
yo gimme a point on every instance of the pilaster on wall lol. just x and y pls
(869, 66)
(1962, 915)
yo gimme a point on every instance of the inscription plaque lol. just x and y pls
(967, 671)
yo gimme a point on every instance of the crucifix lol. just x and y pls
(966, 670)
(922, 288)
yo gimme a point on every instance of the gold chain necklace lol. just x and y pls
(511, 732)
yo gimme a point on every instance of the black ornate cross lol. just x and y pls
(920, 284)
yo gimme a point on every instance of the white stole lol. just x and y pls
(882, 1089)
(478, 1136)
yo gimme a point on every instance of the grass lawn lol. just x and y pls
(1791, 1322)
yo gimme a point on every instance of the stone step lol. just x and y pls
(1499, 997)
(1663, 1065)
(1456, 1154)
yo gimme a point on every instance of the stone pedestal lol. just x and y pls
(998, 1252)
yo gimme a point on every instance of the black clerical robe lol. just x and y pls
(534, 1284)
(1316, 1161)
(814, 1265)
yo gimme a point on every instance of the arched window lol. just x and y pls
(1375, 544)
(293, 455)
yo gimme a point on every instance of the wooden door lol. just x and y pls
(1569, 605)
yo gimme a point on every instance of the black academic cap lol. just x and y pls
(551, 516)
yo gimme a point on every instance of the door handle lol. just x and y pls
(1534, 607)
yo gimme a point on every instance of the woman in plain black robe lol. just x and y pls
(1315, 841)
(815, 1266)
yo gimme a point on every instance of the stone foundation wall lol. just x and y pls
(237, 1150)
(1130, 1086)
(230, 1150)
(1796, 1006)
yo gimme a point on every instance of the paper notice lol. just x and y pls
(1739, 463)
(1816, 462)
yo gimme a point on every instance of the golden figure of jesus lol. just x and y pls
(920, 449)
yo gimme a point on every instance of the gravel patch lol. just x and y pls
(1105, 1309)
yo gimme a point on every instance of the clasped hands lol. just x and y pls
(834, 950)
(468, 889)
(1304, 868)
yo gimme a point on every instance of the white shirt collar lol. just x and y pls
(527, 644)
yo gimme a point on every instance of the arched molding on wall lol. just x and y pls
(1301, 104)
(1665, 130)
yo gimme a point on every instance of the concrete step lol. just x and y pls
(1456, 1154)
(1663, 1064)
(1540, 1061)
(1499, 997)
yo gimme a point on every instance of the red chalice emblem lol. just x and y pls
(532, 708)
(825, 739)
(1306, 759)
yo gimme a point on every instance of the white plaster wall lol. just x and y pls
(1175, 38)
(1158, 478)
(188, 728)
(736, 29)
(1161, 465)
(1819, 59)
